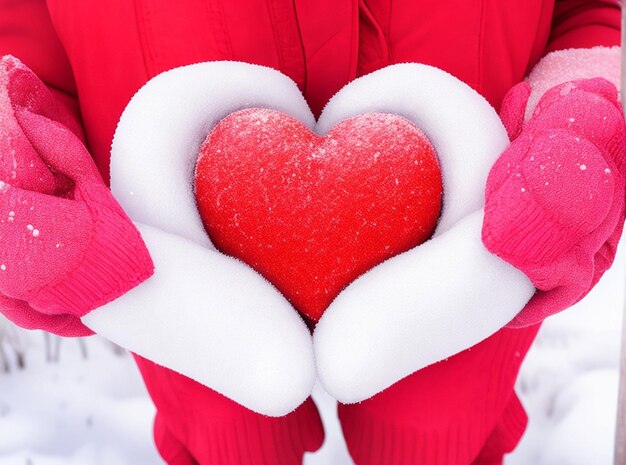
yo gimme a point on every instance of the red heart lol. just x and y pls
(313, 213)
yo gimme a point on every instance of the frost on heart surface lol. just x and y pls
(313, 213)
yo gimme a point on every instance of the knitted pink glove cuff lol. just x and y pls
(115, 261)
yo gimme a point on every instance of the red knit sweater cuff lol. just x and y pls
(116, 261)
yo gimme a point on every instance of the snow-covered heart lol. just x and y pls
(212, 318)
(313, 213)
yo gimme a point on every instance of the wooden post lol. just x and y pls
(620, 429)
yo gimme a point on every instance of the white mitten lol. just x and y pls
(202, 314)
(447, 294)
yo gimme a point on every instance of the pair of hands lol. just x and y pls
(216, 321)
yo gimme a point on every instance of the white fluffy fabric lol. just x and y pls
(215, 320)
(570, 65)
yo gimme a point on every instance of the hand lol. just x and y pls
(67, 245)
(555, 198)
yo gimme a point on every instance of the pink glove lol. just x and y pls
(555, 198)
(67, 246)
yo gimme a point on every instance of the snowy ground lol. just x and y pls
(95, 411)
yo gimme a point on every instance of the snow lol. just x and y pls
(97, 412)
(232, 314)
(569, 379)
(76, 412)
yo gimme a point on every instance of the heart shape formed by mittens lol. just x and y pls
(313, 213)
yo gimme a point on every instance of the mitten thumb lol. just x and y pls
(513, 109)
(59, 148)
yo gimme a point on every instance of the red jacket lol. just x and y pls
(95, 55)
(103, 52)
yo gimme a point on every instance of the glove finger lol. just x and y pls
(21, 314)
(557, 194)
(597, 86)
(604, 126)
(25, 90)
(60, 149)
(20, 165)
(513, 109)
(508, 160)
